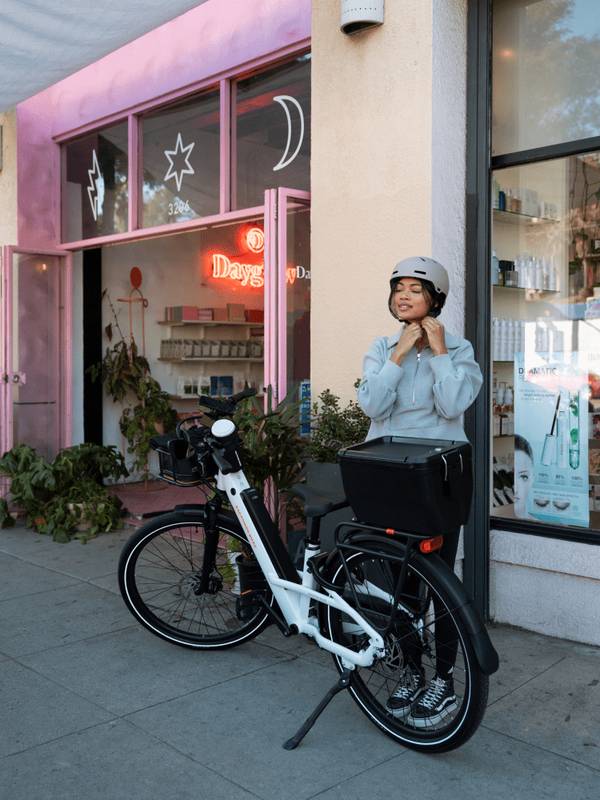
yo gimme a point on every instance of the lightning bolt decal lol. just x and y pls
(94, 176)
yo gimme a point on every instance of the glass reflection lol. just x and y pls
(546, 81)
(546, 341)
(181, 162)
(95, 187)
(272, 132)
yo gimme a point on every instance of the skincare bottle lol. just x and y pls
(574, 431)
(495, 269)
(563, 442)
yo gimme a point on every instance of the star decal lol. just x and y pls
(187, 169)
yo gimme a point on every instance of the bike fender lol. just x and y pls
(484, 650)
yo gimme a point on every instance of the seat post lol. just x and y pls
(313, 531)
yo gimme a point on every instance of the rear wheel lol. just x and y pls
(368, 585)
(160, 572)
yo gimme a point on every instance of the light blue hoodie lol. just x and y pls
(423, 397)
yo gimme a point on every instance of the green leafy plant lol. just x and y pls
(6, 518)
(272, 447)
(126, 377)
(64, 496)
(139, 423)
(334, 426)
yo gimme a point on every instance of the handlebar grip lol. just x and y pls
(247, 392)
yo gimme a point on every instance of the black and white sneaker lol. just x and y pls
(435, 703)
(410, 686)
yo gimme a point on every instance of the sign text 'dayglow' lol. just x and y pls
(252, 275)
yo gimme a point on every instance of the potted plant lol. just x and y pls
(272, 454)
(333, 426)
(65, 498)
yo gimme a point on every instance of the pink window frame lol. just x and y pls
(224, 83)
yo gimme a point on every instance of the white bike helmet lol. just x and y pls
(430, 272)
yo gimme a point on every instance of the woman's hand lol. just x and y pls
(435, 335)
(408, 339)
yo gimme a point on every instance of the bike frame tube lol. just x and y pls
(293, 598)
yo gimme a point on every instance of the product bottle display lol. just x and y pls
(563, 441)
(574, 431)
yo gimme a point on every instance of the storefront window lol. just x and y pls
(202, 326)
(95, 185)
(180, 162)
(546, 341)
(546, 82)
(271, 132)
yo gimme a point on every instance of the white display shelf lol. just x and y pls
(518, 218)
(211, 323)
(525, 289)
(195, 397)
(243, 360)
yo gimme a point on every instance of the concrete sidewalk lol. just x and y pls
(94, 707)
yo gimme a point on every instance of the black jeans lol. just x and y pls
(446, 640)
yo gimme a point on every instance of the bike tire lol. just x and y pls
(371, 687)
(158, 578)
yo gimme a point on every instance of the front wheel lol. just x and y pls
(415, 653)
(161, 581)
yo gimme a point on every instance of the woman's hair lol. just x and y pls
(434, 299)
(523, 445)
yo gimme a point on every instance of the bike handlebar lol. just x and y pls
(225, 407)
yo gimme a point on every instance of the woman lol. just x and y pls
(523, 476)
(418, 383)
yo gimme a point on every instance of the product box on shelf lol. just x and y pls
(255, 315)
(219, 314)
(205, 314)
(221, 385)
(181, 313)
(235, 312)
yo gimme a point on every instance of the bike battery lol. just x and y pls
(419, 486)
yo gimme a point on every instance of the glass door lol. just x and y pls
(287, 292)
(35, 366)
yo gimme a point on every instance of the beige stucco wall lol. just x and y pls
(8, 179)
(377, 158)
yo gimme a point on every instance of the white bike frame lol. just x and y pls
(294, 598)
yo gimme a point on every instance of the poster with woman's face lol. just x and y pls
(551, 438)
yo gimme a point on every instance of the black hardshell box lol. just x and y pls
(419, 486)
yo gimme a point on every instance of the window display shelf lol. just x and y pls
(211, 323)
(195, 397)
(518, 218)
(524, 289)
(213, 358)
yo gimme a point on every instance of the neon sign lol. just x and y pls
(252, 275)
(255, 240)
(247, 274)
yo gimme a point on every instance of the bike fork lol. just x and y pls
(210, 546)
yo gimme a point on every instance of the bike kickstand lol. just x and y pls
(342, 683)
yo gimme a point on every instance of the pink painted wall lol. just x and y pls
(214, 38)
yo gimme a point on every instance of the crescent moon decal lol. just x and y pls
(283, 100)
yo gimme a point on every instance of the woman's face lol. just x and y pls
(523, 481)
(409, 300)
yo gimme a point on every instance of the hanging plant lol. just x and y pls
(126, 377)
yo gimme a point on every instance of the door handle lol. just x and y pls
(14, 377)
